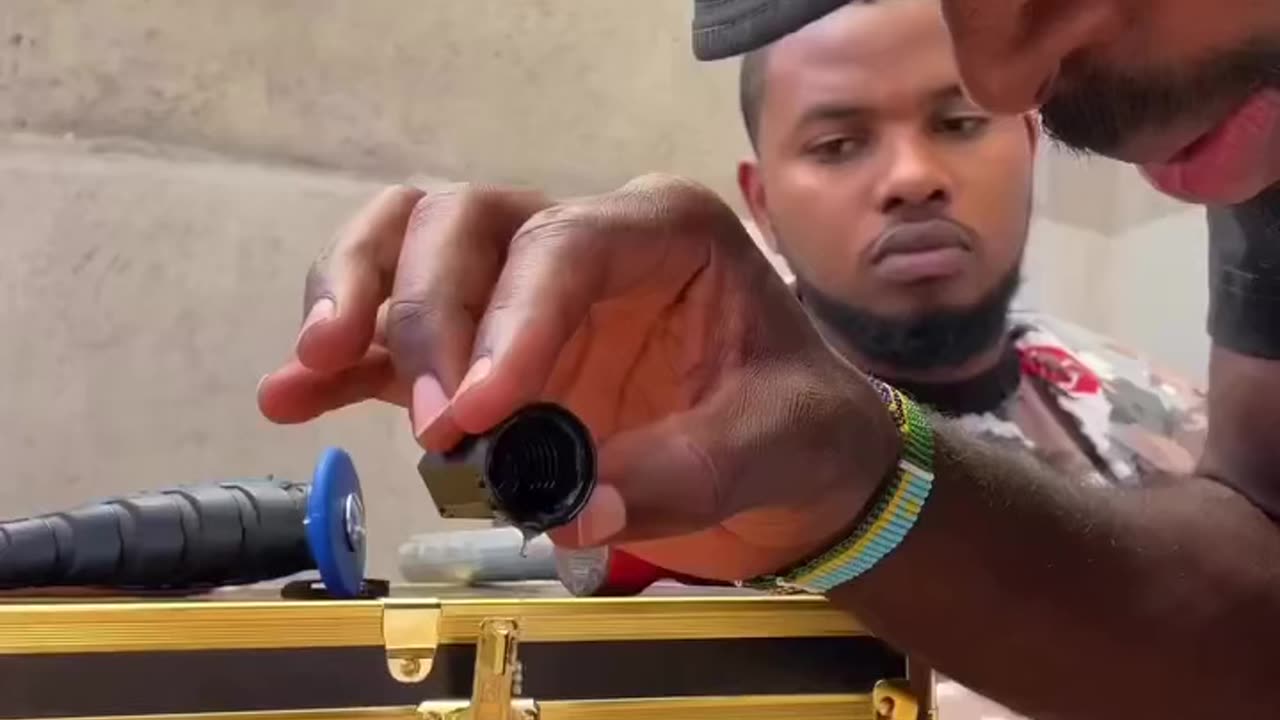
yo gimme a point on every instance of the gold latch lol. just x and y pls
(410, 635)
(497, 667)
(496, 683)
(893, 700)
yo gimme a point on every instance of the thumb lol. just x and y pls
(655, 481)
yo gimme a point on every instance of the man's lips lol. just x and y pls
(921, 250)
(1231, 162)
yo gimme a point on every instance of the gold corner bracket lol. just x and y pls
(893, 700)
(410, 635)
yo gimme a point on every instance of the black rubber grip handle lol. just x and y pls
(224, 534)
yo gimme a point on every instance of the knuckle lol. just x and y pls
(684, 203)
(559, 224)
(449, 198)
(394, 201)
(565, 214)
(409, 319)
(363, 232)
(493, 209)
(665, 182)
(680, 192)
(412, 330)
(399, 195)
(463, 197)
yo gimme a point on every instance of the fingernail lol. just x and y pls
(321, 311)
(604, 517)
(478, 372)
(427, 403)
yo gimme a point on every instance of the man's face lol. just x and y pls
(891, 195)
(1189, 90)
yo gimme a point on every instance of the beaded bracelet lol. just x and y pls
(890, 519)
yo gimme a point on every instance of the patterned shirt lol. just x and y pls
(1091, 409)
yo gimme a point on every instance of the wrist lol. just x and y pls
(887, 429)
(857, 468)
(890, 502)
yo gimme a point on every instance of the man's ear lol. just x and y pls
(751, 186)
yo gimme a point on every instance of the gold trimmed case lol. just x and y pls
(526, 651)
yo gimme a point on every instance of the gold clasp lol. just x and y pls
(410, 635)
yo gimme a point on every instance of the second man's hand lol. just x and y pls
(733, 441)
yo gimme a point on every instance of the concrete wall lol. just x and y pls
(151, 269)
(141, 298)
(576, 96)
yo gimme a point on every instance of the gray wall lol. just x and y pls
(570, 94)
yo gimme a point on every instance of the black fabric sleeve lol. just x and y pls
(1244, 276)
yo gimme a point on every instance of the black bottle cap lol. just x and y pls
(535, 471)
(540, 467)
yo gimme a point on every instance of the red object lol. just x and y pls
(606, 572)
(1059, 367)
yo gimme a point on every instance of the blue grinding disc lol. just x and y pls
(335, 524)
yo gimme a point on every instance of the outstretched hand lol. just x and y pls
(733, 441)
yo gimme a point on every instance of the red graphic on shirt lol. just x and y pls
(1057, 366)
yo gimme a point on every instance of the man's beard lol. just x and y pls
(1101, 108)
(939, 339)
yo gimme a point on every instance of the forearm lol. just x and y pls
(1063, 600)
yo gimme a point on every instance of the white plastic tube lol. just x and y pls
(476, 556)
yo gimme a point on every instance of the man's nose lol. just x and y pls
(915, 178)
(1010, 51)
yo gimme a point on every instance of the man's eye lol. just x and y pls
(963, 125)
(836, 149)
